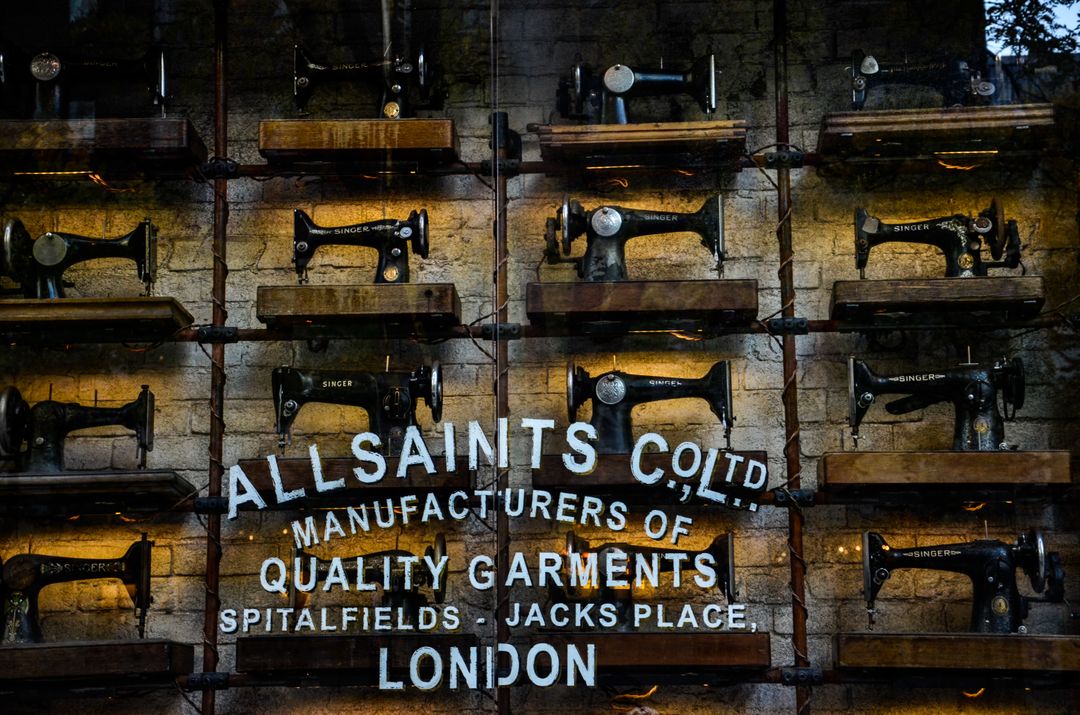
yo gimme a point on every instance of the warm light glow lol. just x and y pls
(976, 694)
(971, 152)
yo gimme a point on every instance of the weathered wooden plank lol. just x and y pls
(94, 663)
(426, 140)
(32, 145)
(837, 470)
(355, 655)
(709, 140)
(659, 652)
(96, 492)
(957, 651)
(1017, 297)
(717, 301)
(296, 473)
(893, 133)
(91, 320)
(433, 305)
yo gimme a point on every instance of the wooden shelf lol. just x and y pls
(94, 664)
(644, 305)
(392, 309)
(689, 658)
(956, 655)
(296, 473)
(97, 492)
(114, 148)
(687, 145)
(990, 299)
(938, 138)
(612, 476)
(91, 320)
(382, 142)
(943, 476)
(336, 659)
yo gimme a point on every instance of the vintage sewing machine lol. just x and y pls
(389, 398)
(721, 550)
(608, 228)
(39, 265)
(49, 85)
(586, 94)
(997, 606)
(44, 427)
(973, 389)
(26, 574)
(958, 82)
(961, 238)
(398, 595)
(392, 238)
(398, 76)
(614, 394)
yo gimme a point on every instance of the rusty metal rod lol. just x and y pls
(217, 370)
(796, 520)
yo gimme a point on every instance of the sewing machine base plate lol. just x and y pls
(94, 664)
(336, 659)
(979, 300)
(932, 476)
(956, 653)
(295, 473)
(939, 139)
(688, 145)
(91, 492)
(377, 141)
(145, 319)
(644, 305)
(114, 148)
(397, 308)
(630, 658)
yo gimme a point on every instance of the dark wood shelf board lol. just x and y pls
(691, 145)
(957, 653)
(995, 298)
(671, 658)
(296, 473)
(943, 476)
(94, 664)
(612, 476)
(644, 305)
(336, 659)
(116, 148)
(424, 142)
(395, 309)
(92, 492)
(145, 319)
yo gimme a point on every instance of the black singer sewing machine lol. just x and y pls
(961, 238)
(397, 75)
(392, 238)
(389, 398)
(958, 82)
(586, 94)
(26, 574)
(973, 389)
(39, 265)
(608, 228)
(44, 427)
(997, 606)
(721, 550)
(56, 85)
(399, 595)
(614, 394)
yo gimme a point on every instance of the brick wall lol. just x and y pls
(540, 40)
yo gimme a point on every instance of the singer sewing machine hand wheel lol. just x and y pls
(14, 418)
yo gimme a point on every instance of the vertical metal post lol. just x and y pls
(790, 393)
(500, 138)
(217, 357)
